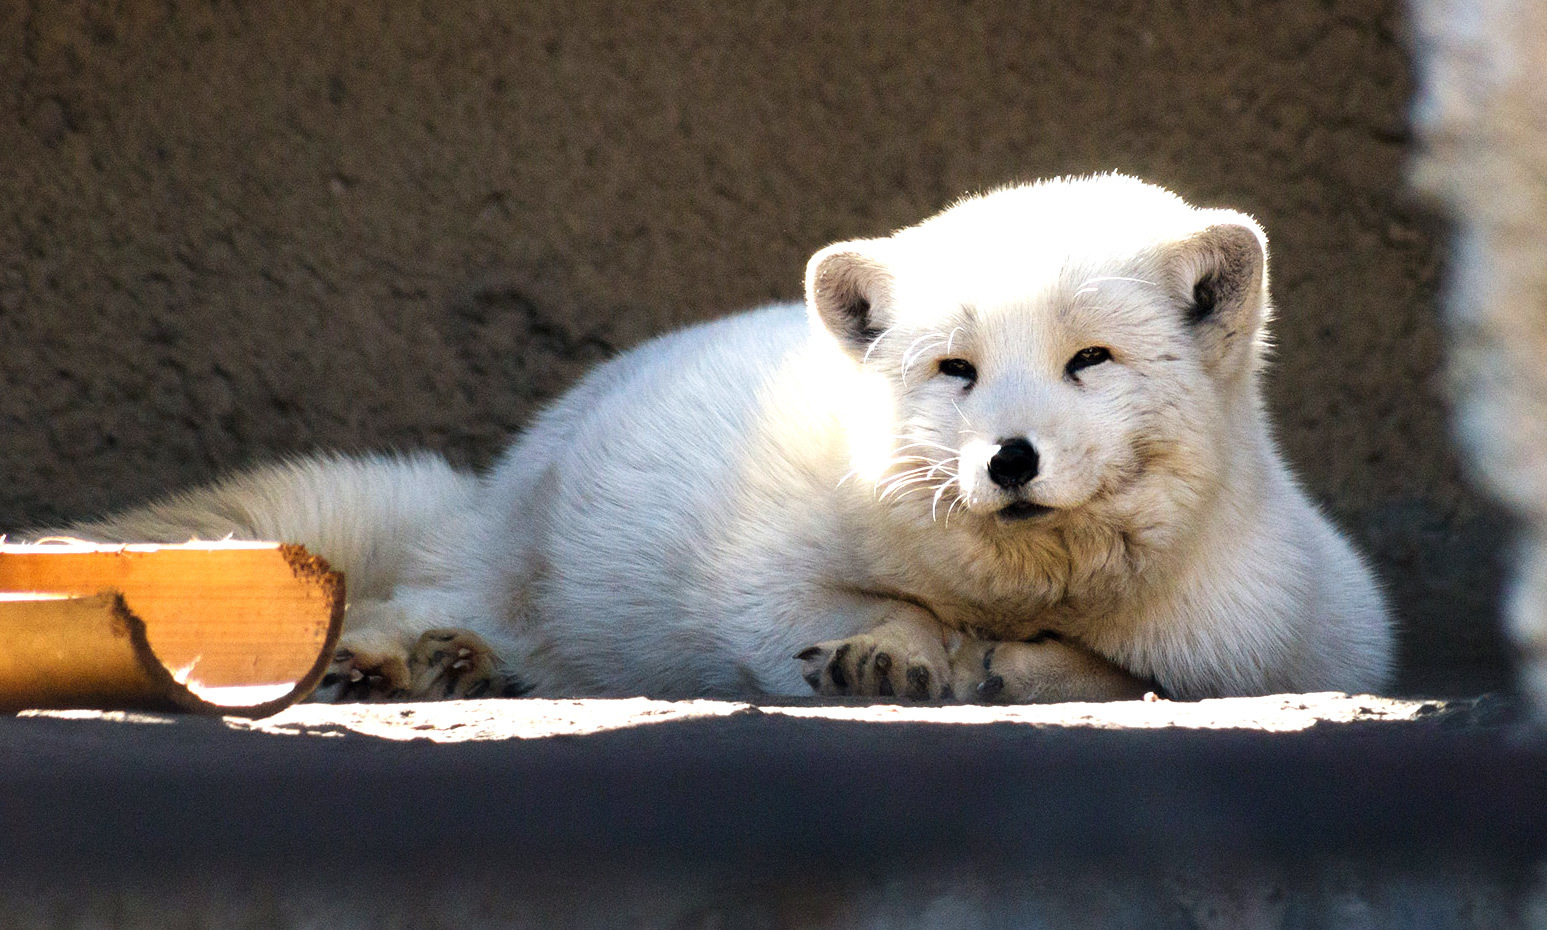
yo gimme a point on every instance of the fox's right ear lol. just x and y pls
(849, 290)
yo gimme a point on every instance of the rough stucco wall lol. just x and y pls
(231, 231)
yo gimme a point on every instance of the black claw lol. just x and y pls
(861, 663)
(918, 683)
(991, 686)
(836, 669)
(884, 687)
(808, 652)
(883, 663)
(988, 657)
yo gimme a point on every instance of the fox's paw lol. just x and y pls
(1043, 671)
(445, 663)
(890, 661)
(453, 663)
(367, 666)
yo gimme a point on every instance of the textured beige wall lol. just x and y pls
(233, 230)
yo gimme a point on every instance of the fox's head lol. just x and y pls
(1073, 351)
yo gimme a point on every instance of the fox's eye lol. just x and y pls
(1086, 357)
(959, 368)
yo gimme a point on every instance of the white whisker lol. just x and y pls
(917, 484)
(913, 352)
(909, 477)
(927, 443)
(1114, 277)
(875, 342)
(949, 510)
(903, 496)
(916, 474)
(944, 485)
(942, 465)
(916, 465)
(951, 339)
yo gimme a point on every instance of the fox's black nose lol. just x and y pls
(1014, 464)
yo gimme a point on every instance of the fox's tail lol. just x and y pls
(366, 515)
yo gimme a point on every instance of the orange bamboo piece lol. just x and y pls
(231, 628)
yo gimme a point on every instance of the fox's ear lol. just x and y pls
(1221, 278)
(849, 290)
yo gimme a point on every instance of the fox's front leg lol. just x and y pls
(905, 656)
(1046, 670)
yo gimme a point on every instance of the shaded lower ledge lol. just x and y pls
(601, 813)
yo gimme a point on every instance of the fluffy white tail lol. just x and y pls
(366, 515)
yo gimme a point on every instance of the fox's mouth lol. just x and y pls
(1022, 510)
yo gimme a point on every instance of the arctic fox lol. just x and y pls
(1017, 452)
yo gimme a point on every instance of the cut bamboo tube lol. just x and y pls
(231, 628)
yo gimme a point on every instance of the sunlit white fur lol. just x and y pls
(701, 508)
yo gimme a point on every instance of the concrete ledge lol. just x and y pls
(566, 799)
(718, 782)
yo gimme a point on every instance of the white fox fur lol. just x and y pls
(703, 507)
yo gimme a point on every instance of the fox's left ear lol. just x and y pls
(1220, 273)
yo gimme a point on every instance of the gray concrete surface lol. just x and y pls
(232, 231)
(1304, 811)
